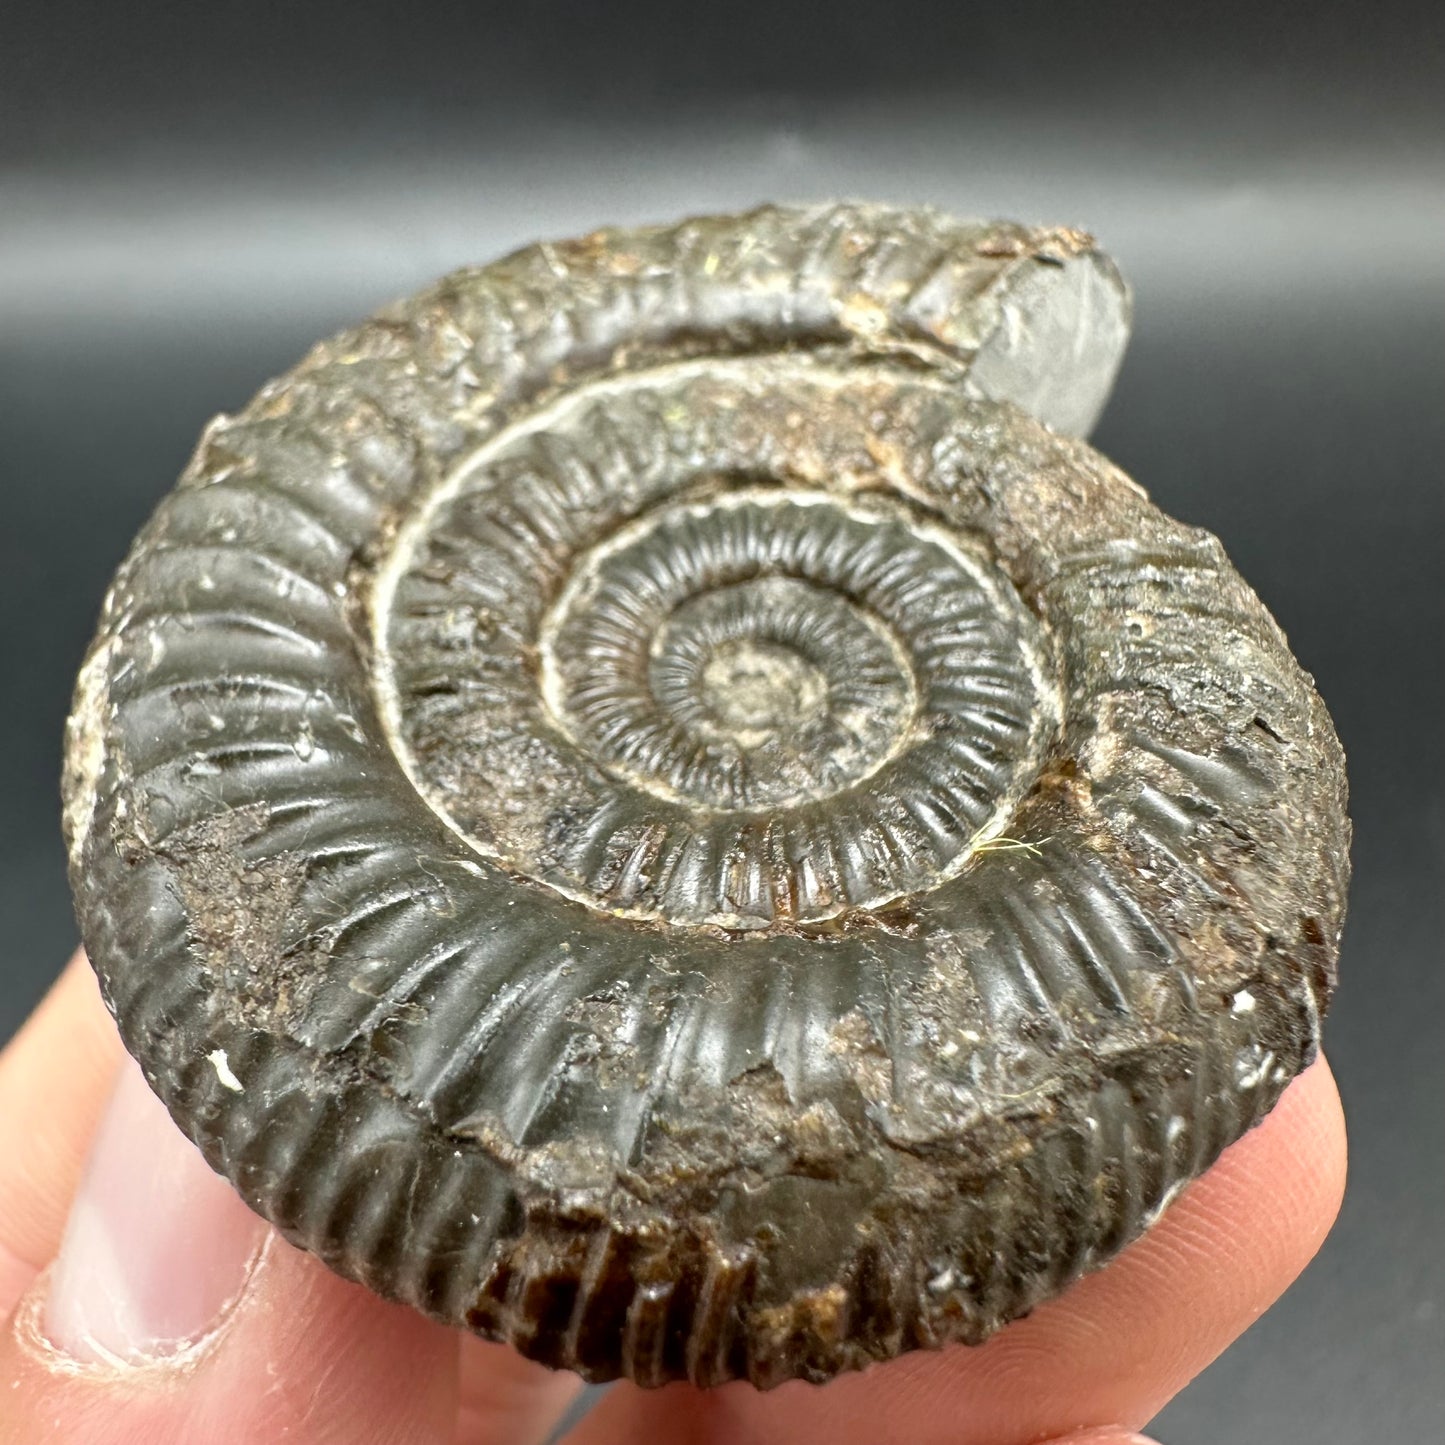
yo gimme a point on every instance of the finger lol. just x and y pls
(505, 1399)
(55, 1077)
(1111, 1351)
(172, 1314)
(1108, 1436)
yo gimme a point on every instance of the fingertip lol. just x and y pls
(1263, 1210)
(506, 1399)
(302, 1356)
(156, 1245)
(1136, 1332)
(173, 1314)
(59, 1069)
(1108, 1436)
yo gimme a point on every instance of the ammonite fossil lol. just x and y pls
(653, 801)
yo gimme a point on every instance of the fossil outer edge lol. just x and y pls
(648, 1027)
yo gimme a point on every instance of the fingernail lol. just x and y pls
(157, 1246)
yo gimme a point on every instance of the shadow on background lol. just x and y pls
(189, 197)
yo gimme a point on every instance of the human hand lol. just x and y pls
(148, 1306)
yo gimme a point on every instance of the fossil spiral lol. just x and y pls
(652, 801)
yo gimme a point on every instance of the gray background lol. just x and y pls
(189, 195)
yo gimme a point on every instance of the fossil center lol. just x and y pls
(683, 686)
(755, 690)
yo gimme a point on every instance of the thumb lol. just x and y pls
(174, 1316)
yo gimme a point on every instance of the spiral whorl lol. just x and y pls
(741, 705)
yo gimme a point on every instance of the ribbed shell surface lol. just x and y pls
(642, 803)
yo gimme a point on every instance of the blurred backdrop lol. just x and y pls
(191, 194)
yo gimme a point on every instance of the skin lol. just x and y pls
(300, 1356)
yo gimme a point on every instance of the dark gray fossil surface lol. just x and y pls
(654, 801)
